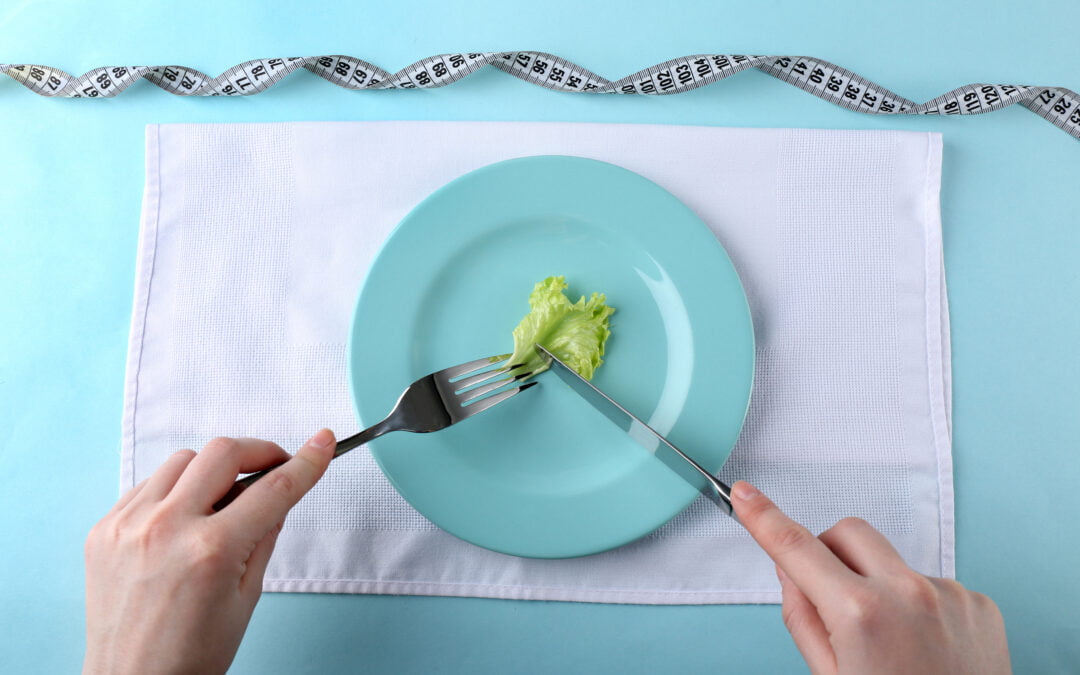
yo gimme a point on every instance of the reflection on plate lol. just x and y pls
(545, 475)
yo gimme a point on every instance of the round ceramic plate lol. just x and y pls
(543, 474)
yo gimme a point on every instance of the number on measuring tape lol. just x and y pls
(1057, 105)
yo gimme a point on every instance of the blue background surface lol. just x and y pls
(70, 193)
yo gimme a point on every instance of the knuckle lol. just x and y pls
(756, 509)
(920, 593)
(862, 608)
(110, 534)
(987, 608)
(312, 469)
(844, 529)
(157, 530)
(267, 444)
(95, 531)
(96, 538)
(209, 551)
(983, 601)
(951, 587)
(790, 537)
(210, 541)
(222, 444)
(281, 482)
(788, 614)
(792, 617)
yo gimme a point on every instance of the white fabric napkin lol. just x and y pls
(250, 258)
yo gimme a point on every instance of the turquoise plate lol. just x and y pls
(544, 475)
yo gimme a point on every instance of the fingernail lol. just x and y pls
(323, 438)
(744, 491)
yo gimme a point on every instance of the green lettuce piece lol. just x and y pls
(574, 332)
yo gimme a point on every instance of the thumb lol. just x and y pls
(807, 629)
(266, 503)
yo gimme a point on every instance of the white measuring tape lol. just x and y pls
(1059, 106)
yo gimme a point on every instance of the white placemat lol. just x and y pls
(255, 238)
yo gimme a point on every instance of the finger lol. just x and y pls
(165, 476)
(804, 558)
(126, 498)
(265, 503)
(862, 548)
(251, 582)
(807, 629)
(214, 470)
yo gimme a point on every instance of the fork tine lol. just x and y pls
(483, 404)
(479, 378)
(472, 366)
(475, 393)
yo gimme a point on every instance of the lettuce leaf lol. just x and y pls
(574, 332)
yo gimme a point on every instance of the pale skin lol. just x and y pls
(171, 584)
(853, 606)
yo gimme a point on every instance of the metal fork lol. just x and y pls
(431, 403)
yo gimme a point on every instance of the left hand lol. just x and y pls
(170, 584)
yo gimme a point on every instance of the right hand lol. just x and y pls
(853, 606)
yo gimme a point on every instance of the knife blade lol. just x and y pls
(674, 458)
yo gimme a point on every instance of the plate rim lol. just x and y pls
(449, 185)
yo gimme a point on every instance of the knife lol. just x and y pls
(675, 459)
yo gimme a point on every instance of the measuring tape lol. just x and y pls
(1059, 106)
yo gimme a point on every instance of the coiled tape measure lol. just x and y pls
(1057, 105)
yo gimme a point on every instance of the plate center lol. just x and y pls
(534, 440)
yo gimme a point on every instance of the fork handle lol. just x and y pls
(343, 446)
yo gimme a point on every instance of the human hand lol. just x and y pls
(170, 584)
(853, 606)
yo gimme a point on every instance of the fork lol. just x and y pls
(433, 402)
